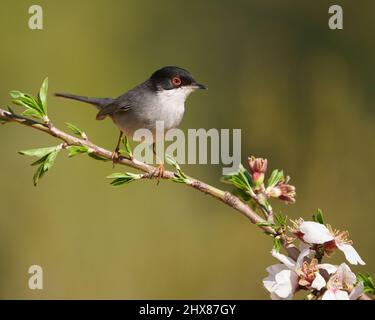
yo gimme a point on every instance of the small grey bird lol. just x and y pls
(160, 98)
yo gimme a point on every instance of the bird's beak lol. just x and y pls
(198, 86)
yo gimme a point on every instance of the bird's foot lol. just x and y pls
(115, 157)
(158, 172)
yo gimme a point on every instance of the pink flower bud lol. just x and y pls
(284, 192)
(258, 167)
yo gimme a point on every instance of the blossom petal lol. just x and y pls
(286, 284)
(335, 295)
(345, 276)
(350, 253)
(304, 253)
(341, 295)
(276, 268)
(276, 297)
(329, 295)
(290, 263)
(270, 281)
(318, 282)
(328, 267)
(314, 232)
(357, 291)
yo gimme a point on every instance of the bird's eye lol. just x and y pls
(176, 81)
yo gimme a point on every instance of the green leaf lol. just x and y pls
(40, 152)
(15, 94)
(368, 282)
(265, 224)
(96, 157)
(172, 161)
(123, 178)
(127, 146)
(77, 131)
(29, 103)
(281, 220)
(42, 96)
(117, 175)
(180, 176)
(31, 113)
(45, 164)
(74, 150)
(47, 157)
(38, 174)
(241, 194)
(245, 176)
(39, 161)
(318, 217)
(34, 107)
(240, 179)
(276, 177)
(177, 179)
(277, 244)
(50, 160)
(23, 103)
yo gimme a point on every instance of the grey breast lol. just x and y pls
(135, 109)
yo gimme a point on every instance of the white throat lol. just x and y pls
(172, 105)
(175, 96)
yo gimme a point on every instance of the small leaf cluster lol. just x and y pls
(276, 177)
(119, 179)
(35, 107)
(76, 150)
(280, 226)
(368, 282)
(47, 157)
(179, 176)
(318, 216)
(77, 131)
(244, 184)
(241, 180)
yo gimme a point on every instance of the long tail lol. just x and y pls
(99, 103)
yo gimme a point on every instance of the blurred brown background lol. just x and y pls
(301, 93)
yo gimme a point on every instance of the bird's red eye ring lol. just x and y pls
(176, 81)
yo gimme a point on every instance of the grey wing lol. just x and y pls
(127, 101)
(119, 104)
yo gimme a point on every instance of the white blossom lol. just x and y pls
(285, 278)
(341, 285)
(316, 233)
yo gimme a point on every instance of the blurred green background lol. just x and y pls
(301, 93)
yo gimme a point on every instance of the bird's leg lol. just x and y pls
(116, 153)
(159, 171)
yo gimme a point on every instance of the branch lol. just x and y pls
(224, 196)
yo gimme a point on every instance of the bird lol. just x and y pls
(160, 98)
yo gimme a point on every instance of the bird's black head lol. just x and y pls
(169, 78)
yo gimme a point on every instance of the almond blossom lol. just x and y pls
(341, 285)
(287, 277)
(317, 233)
